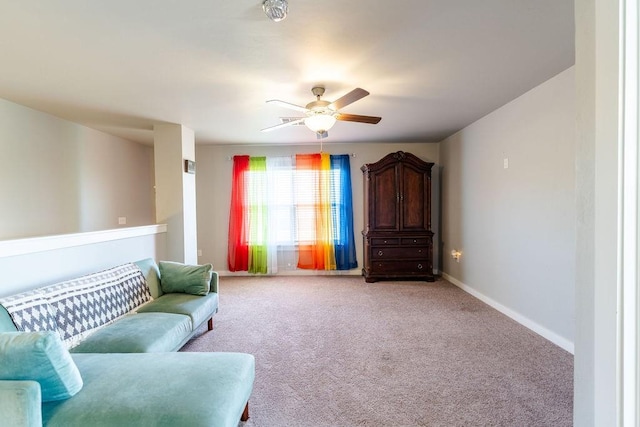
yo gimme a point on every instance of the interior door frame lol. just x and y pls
(628, 319)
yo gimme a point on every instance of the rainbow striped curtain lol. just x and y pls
(304, 202)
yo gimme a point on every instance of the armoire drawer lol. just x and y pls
(417, 267)
(384, 241)
(414, 241)
(398, 253)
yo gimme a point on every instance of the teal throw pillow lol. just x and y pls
(40, 356)
(183, 278)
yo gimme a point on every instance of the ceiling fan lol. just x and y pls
(322, 115)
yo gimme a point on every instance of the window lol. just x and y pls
(301, 202)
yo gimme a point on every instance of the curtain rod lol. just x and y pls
(352, 155)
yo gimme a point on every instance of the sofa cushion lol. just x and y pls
(198, 308)
(177, 389)
(42, 357)
(6, 322)
(139, 333)
(183, 278)
(151, 273)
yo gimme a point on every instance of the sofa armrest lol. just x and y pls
(20, 403)
(213, 284)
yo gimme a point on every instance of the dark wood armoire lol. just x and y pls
(398, 241)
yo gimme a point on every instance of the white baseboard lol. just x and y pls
(354, 272)
(524, 321)
(296, 272)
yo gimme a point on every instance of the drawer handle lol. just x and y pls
(415, 241)
(419, 251)
(379, 253)
(385, 242)
(419, 266)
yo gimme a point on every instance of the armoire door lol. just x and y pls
(384, 203)
(412, 199)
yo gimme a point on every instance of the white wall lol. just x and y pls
(213, 184)
(59, 177)
(515, 227)
(596, 396)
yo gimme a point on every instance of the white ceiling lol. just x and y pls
(432, 66)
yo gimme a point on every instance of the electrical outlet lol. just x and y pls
(199, 252)
(505, 162)
(122, 220)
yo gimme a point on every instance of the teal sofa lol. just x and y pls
(100, 350)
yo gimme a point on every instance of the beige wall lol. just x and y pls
(59, 177)
(213, 184)
(515, 226)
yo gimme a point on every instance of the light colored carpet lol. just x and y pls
(336, 351)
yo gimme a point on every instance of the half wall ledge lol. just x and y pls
(9, 248)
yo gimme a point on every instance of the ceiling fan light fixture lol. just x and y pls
(320, 122)
(276, 10)
(322, 115)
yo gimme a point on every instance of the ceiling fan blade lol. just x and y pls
(287, 105)
(358, 118)
(349, 98)
(282, 125)
(297, 120)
